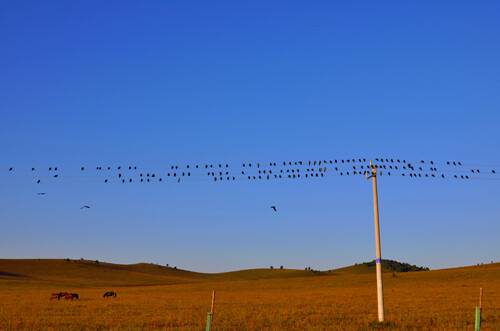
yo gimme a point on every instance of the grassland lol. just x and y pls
(154, 297)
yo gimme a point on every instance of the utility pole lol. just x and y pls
(378, 254)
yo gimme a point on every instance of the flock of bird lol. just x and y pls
(255, 171)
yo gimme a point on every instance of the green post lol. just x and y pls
(478, 319)
(208, 321)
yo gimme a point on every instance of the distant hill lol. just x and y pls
(88, 273)
(387, 266)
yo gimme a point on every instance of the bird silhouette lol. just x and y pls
(38, 181)
(85, 207)
(493, 171)
(41, 193)
(274, 208)
(32, 169)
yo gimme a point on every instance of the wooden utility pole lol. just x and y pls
(378, 254)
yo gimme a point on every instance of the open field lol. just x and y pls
(153, 297)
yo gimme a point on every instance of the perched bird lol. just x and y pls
(274, 208)
(85, 207)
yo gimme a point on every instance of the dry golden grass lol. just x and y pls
(150, 297)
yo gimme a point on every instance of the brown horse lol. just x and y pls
(55, 296)
(109, 294)
(71, 296)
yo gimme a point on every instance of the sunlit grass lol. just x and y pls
(441, 300)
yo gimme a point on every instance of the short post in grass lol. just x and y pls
(478, 311)
(210, 314)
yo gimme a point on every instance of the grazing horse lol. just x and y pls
(71, 296)
(109, 294)
(55, 296)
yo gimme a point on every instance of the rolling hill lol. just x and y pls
(87, 273)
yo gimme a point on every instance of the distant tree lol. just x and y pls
(397, 266)
(67, 260)
(81, 258)
(309, 268)
(305, 268)
(175, 267)
(167, 265)
(281, 267)
(272, 267)
(96, 262)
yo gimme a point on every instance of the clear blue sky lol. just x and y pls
(162, 82)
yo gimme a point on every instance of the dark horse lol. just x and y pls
(109, 294)
(71, 296)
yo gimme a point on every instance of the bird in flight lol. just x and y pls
(42, 193)
(85, 207)
(274, 208)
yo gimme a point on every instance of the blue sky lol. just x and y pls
(160, 83)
